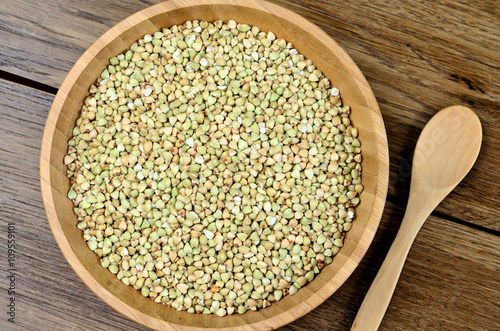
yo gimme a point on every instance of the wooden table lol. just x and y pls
(418, 56)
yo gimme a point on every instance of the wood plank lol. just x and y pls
(51, 35)
(451, 280)
(49, 295)
(418, 57)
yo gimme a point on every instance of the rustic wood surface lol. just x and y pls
(418, 56)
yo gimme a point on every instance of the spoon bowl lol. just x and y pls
(447, 148)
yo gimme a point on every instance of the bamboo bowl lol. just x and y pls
(310, 41)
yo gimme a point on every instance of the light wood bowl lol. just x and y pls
(310, 41)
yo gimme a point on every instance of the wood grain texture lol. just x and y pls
(49, 295)
(418, 56)
(307, 39)
(450, 280)
(50, 35)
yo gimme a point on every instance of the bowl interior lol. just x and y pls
(309, 41)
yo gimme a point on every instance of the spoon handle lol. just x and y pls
(379, 295)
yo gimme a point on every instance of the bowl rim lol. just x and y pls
(286, 316)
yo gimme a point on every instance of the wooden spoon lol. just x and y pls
(446, 150)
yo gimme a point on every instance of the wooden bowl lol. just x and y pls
(310, 41)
